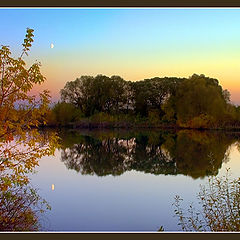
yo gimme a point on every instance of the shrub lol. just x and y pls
(153, 117)
(102, 117)
(63, 114)
(220, 203)
(203, 121)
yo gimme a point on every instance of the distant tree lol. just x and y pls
(153, 93)
(226, 95)
(95, 94)
(118, 94)
(196, 102)
(199, 96)
(78, 93)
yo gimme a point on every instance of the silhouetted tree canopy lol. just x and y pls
(195, 102)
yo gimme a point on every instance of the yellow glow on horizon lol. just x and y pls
(58, 71)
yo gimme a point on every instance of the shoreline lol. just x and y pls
(107, 126)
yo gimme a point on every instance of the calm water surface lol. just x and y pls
(126, 180)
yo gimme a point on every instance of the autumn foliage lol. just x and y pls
(21, 142)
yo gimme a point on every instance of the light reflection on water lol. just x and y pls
(112, 181)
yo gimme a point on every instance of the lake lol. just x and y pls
(126, 180)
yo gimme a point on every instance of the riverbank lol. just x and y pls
(88, 124)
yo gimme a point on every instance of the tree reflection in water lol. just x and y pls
(20, 204)
(193, 153)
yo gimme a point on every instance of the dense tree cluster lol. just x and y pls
(114, 95)
(197, 101)
(99, 94)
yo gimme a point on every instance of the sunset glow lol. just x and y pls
(132, 43)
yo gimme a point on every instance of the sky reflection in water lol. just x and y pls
(133, 200)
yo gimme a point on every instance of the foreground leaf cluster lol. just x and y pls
(220, 207)
(21, 142)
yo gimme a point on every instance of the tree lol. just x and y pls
(18, 110)
(19, 148)
(22, 143)
(198, 97)
(153, 93)
(95, 94)
(195, 102)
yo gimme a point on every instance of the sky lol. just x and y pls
(133, 43)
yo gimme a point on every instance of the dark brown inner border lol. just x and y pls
(117, 236)
(119, 3)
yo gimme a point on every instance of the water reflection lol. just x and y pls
(193, 153)
(20, 204)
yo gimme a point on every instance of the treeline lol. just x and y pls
(194, 102)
